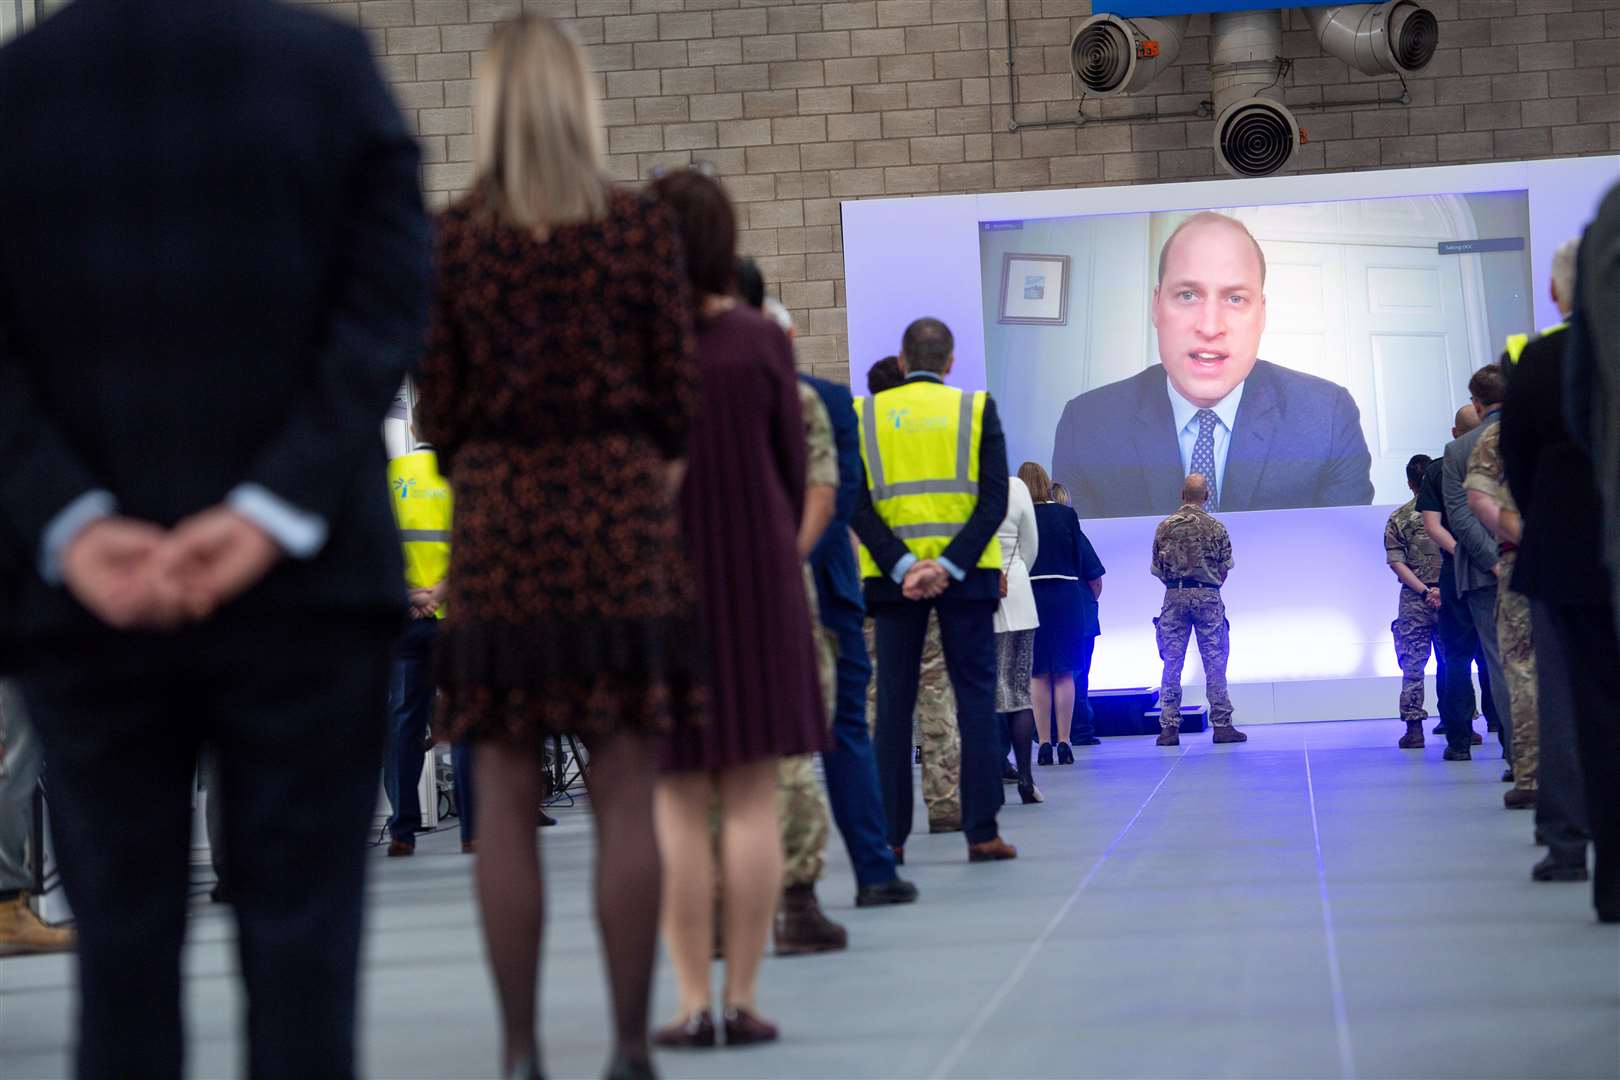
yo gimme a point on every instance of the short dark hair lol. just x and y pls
(884, 375)
(927, 345)
(708, 228)
(1416, 468)
(750, 283)
(1489, 385)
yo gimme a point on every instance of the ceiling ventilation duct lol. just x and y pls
(1113, 55)
(1392, 38)
(1255, 133)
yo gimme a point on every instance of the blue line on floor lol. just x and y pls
(1341, 1017)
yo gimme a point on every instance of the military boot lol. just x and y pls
(1413, 739)
(1225, 733)
(802, 928)
(1168, 736)
(21, 931)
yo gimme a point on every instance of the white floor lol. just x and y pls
(1315, 903)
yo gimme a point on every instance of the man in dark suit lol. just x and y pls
(850, 766)
(212, 282)
(1267, 437)
(1559, 565)
(903, 586)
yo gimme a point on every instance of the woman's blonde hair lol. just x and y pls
(538, 130)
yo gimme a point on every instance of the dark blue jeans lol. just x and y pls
(967, 631)
(850, 765)
(1084, 724)
(410, 711)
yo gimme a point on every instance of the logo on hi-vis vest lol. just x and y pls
(902, 420)
(403, 486)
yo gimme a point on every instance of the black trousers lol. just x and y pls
(967, 632)
(295, 712)
(1459, 643)
(1560, 789)
(1587, 637)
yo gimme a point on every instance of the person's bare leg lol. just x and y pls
(681, 810)
(751, 847)
(621, 776)
(1040, 697)
(1063, 691)
(510, 897)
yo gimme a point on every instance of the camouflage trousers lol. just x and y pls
(801, 801)
(1519, 664)
(1415, 627)
(1185, 612)
(934, 725)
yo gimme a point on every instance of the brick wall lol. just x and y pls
(800, 105)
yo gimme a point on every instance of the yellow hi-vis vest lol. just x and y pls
(1517, 342)
(422, 505)
(920, 445)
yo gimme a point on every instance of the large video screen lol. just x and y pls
(1300, 353)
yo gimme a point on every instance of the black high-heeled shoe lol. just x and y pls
(623, 1068)
(1030, 793)
(1065, 756)
(743, 1028)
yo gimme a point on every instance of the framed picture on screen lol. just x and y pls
(1034, 289)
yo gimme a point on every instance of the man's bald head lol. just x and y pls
(1466, 420)
(1195, 490)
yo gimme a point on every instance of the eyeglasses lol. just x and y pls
(701, 167)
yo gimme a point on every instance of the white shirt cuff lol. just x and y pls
(951, 568)
(82, 512)
(299, 533)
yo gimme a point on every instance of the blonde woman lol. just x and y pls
(560, 373)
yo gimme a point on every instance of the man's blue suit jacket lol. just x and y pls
(1296, 441)
(838, 576)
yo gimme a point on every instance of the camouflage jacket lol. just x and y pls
(1405, 541)
(821, 463)
(1192, 544)
(1486, 472)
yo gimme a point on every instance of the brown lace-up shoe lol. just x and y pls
(991, 851)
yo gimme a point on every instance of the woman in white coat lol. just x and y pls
(1015, 631)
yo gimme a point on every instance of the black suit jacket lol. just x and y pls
(1560, 556)
(213, 272)
(1296, 441)
(965, 548)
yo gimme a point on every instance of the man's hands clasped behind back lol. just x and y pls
(924, 580)
(133, 575)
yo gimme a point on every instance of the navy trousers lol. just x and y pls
(410, 711)
(294, 710)
(967, 632)
(850, 764)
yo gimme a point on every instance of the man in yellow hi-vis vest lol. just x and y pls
(422, 506)
(935, 492)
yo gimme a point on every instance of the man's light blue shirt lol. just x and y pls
(1186, 414)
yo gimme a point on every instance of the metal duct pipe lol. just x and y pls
(1255, 133)
(1391, 38)
(1113, 55)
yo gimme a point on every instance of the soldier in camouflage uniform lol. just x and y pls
(1486, 484)
(801, 927)
(1192, 555)
(934, 730)
(1415, 558)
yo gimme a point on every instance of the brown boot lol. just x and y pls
(945, 825)
(21, 931)
(802, 928)
(1168, 736)
(1413, 739)
(991, 851)
(1228, 733)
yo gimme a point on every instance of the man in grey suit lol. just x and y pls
(1266, 437)
(1476, 556)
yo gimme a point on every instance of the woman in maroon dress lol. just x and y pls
(559, 374)
(740, 511)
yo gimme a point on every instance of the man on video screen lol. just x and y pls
(1270, 438)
